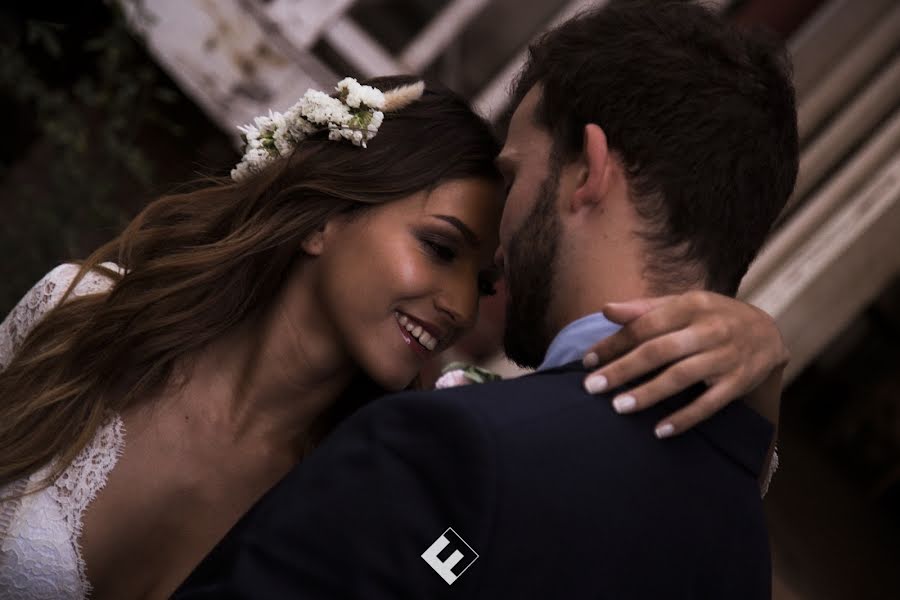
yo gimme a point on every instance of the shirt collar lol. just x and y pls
(576, 338)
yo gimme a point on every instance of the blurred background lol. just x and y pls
(110, 104)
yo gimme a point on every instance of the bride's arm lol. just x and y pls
(698, 337)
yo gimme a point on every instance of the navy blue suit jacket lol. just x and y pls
(558, 496)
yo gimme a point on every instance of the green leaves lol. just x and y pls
(471, 372)
(362, 117)
(46, 35)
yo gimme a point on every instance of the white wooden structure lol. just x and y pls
(837, 245)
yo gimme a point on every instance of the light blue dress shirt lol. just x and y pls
(576, 338)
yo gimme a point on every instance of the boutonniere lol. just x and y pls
(458, 373)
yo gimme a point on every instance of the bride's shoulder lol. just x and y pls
(55, 283)
(47, 293)
(52, 287)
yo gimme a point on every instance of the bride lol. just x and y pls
(152, 394)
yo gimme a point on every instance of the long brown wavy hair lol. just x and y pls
(200, 263)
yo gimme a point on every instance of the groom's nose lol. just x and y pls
(500, 259)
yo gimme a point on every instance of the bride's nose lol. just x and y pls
(458, 300)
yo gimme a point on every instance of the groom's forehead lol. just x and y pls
(523, 135)
(524, 115)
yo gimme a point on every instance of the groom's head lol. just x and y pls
(650, 150)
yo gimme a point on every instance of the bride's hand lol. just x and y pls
(732, 347)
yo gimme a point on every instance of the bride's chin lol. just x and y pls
(401, 383)
(396, 381)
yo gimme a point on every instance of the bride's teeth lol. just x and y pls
(417, 331)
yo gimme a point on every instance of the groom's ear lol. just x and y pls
(595, 169)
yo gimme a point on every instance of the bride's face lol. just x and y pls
(402, 282)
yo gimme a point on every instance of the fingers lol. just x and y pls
(706, 405)
(623, 312)
(663, 319)
(646, 358)
(676, 378)
(696, 337)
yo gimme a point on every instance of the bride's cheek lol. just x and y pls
(414, 271)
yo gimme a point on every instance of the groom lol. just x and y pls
(650, 149)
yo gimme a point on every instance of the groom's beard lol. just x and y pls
(531, 265)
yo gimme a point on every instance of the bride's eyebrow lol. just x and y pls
(464, 229)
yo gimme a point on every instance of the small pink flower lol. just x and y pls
(452, 379)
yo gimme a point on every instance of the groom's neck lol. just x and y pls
(589, 287)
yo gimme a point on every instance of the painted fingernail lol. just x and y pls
(624, 403)
(665, 430)
(590, 360)
(595, 384)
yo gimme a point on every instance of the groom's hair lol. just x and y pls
(702, 116)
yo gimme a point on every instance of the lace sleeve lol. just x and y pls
(40, 299)
(773, 466)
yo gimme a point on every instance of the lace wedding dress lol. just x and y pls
(40, 556)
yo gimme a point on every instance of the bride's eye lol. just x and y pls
(487, 281)
(486, 287)
(438, 249)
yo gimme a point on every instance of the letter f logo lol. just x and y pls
(457, 555)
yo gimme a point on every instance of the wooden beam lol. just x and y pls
(360, 49)
(493, 98)
(232, 66)
(838, 271)
(302, 21)
(776, 15)
(852, 176)
(849, 128)
(440, 33)
(849, 74)
(823, 41)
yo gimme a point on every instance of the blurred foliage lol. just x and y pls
(88, 110)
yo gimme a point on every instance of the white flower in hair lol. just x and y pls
(254, 161)
(263, 123)
(241, 171)
(296, 127)
(354, 115)
(357, 95)
(321, 109)
(377, 120)
(283, 142)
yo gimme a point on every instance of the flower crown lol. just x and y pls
(354, 115)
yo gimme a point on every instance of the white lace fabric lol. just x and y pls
(40, 554)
